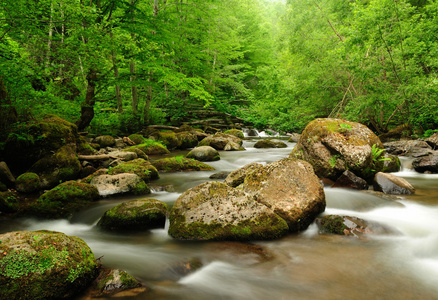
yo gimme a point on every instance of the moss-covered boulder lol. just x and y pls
(143, 168)
(135, 215)
(290, 188)
(150, 147)
(8, 202)
(44, 265)
(32, 141)
(180, 163)
(268, 143)
(63, 165)
(120, 184)
(216, 211)
(220, 140)
(112, 281)
(350, 226)
(333, 146)
(236, 132)
(105, 141)
(138, 139)
(28, 183)
(176, 140)
(204, 153)
(64, 200)
(391, 163)
(187, 139)
(237, 177)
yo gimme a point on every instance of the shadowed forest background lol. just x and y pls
(114, 66)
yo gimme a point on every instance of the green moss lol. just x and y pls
(143, 168)
(235, 132)
(138, 139)
(150, 147)
(28, 182)
(141, 189)
(332, 224)
(8, 202)
(64, 199)
(180, 163)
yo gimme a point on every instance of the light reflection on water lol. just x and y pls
(298, 266)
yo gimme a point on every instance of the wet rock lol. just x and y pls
(236, 132)
(391, 184)
(44, 265)
(138, 139)
(204, 153)
(391, 163)
(181, 269)
(179, 163)
(216, 211)
(350, 226)
(433, 141)
(333, 146)
(135, 215)
(142, 168)
(6, 176)
(251, 132)
(268, 143)
(220, 175)
(294, 138)
(113, 281)
(238, 252)
(149, 148)
(63, 200)
(8, 203)
(61, 166)
(105, 141)
(413, 148)
(426, 163)
(220, 140)
(290, 188)
(28, 183)
(233, 146)
(120, 184)
(351, 181)
(237, 177)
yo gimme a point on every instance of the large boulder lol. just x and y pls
(5, 175)
(64, 199)
(44, 265)
(176, 140)
(220, 140)
(28, 183)
(61, 166)
(216, 211)
(135, 215)
(333, 146)
(391, 184)
(433, 141)
(32, 141)
(180, 163)
(120, 184)
(391, 163)
(414, 148)
(204, 153)
(235, 132)
(290, 188)
(143, 168)
(105, 141)
(426, 163)
(237, 177)
(150, 147)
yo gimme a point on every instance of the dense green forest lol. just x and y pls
(116, 65)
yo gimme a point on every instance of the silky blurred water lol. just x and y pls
(299, 266)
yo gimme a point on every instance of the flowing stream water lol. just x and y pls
(299, 266)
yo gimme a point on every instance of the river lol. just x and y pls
(299, 266)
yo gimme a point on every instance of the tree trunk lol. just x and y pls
(116, 76)
(134, 90)
(87, 108)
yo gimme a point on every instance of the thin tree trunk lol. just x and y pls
(116, 76)
(49, 41)
(134, 90)
(87, 108)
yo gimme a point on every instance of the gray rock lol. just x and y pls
(433, 141)
(125, 155)
(6, 176)
(351, 181)
(204, 153)
(237, 177)
(391, 184)
(426, 163)
(119, 184)
(413, 148)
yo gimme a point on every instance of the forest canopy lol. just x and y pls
(116, 65)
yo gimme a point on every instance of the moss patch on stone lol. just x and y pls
(143, 168)
(150, 147)
(180, 163)
(235, 132)
(8, 202)
(28, 183)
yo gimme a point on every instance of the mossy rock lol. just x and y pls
(135, 215)
(391, 164)
(235, 132)
(216, 211)
(143, 168)
(113, 281)
(32, 141)
(220, 140)
(333, 146)
(151, 147)
(168, 138)
(204, 153)
(8, 203)
(44, 265)
(3, 187)
(105, 141)
(138, 139)
(268, 143)
(180, 163)
(120, 184)
(28, 183)
(64, 200)
(62, 166)
(83, 147)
